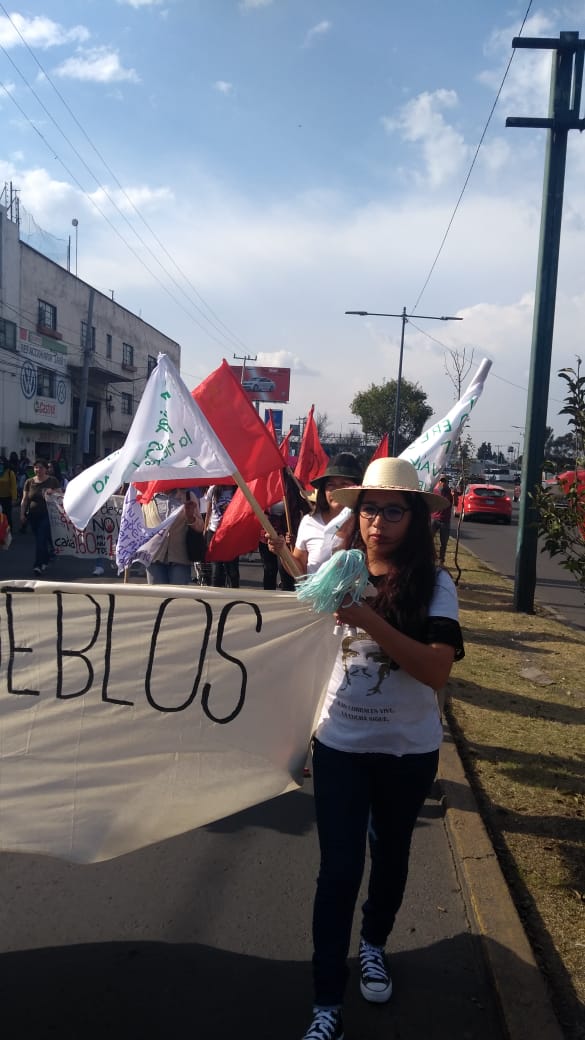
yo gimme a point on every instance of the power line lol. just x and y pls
(224, 330)
(473, 161)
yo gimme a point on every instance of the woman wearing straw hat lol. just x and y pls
(375, 750)
(312, 548)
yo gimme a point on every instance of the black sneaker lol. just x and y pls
(326, 1025)
(38, 571)
(375, 982)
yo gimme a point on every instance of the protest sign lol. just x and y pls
(129, 714)
(98, 540)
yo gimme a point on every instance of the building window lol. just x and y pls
(126, 404)
(47, 315)
(109, 345)
(84, 335)
(127, 355)
(151, 362)
(45, 382)
(7, 335)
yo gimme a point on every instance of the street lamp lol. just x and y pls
(75, 222)
(521, 445)
(404, 317)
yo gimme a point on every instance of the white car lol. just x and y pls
(260, 384)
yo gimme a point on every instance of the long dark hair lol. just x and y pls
(404, 595)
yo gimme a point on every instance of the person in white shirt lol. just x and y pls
(312, 547)
(375, 749)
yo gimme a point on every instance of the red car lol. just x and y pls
(484, 501)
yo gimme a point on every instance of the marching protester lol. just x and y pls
(8, 491)
(441, 519)
(33, 510)
(223, 572)
(311, 548)
(375, 749)
(170, 563)
(280, 516)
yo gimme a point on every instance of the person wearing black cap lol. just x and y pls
(311, 548)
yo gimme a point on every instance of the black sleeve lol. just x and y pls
(445, 630)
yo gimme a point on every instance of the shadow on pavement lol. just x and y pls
(148, 990)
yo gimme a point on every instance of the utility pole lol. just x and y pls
(243, 358)
(78, 457)
(404, 317)
(564, 107)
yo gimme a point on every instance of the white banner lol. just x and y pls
(129, 714)
(100, 537)
(431, 452)
(170, 438)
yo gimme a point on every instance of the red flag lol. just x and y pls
(381, 451)
(239, 530)
(238, 426)
(313, 459)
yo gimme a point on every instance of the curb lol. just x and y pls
(519, 985)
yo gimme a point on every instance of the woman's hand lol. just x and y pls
(193, 517)
(276, 544)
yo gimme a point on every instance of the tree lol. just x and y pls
(561, 511)
(322, 424)
(461, 365)
(375, 408)
(484, 451)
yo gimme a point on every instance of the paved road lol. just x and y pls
(555, 587)
(208, 934)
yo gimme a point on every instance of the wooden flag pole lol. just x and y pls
(288, 558)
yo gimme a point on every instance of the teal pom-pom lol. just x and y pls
(345, 574)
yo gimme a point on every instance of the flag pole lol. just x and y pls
(288, 558)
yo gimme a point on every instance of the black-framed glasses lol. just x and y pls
(393, 514)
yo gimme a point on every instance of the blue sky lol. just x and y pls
(283, 161)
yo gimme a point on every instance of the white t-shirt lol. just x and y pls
(317, 538)
(371, 707)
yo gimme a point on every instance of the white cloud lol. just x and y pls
(223, 87)
(140, 3)
(140, 197)
(38, 32)
(318, 30)
(96, 65)
(420, 121)
(252, 5)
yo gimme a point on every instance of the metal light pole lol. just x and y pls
(404, 318)
(75, 223)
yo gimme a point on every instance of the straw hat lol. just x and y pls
(389, 474)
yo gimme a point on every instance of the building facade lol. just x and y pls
(49, 321)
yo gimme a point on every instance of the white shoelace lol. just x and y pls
(372, 962)
(323, 1025)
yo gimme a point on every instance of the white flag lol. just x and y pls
(431, 452)
(169, 439)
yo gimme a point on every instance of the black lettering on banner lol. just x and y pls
(108, 654)
(61, 653)
(218, 645)
(152, 654)
(14, 649)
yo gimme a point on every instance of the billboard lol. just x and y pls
(264, 384)
(277, 414)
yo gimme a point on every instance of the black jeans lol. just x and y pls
(272, 570)
(41, 528)
(359, 795)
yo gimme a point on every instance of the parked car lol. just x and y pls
(485, 501)
(259, 384)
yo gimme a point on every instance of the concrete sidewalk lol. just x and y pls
(459, 945)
